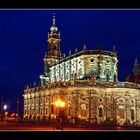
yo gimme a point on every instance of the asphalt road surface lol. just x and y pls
(45, 127)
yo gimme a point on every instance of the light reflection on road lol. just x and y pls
(46, 127)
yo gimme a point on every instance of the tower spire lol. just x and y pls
(114, 48)
(136, 68)
(136, 60)
(84, 47)
(54, 41)
(53, 28)
(54, 19)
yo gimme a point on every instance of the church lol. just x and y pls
(83, 86)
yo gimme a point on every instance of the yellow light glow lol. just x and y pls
(59, 103)
(52, 115)
(79, 116)
(56, 103)
(6, 113)
(16, 114)
(62, 104)
(118, 117)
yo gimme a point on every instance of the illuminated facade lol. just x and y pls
(87, 82)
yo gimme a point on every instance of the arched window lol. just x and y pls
(132, 114)
(52, 109)
(46, 111)
(121, 113)
(100, 112)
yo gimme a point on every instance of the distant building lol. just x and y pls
(135, 76)
(87, 82)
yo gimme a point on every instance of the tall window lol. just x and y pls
(80, 73)
(100, 112)
(46, 99)
(121, 113)
(132, 114)
(52, 109)
(46, 111)
(34, 101)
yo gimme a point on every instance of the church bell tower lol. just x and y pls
(53, 54)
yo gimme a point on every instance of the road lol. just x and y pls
(45, 127)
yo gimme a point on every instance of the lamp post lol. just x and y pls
(4, 109)
(17, 109)
(60, 105)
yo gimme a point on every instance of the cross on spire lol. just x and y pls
(54, 18)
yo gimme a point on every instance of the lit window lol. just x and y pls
(121, 113)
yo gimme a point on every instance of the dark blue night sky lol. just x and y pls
(23, 35)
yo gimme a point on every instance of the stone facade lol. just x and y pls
(86, 100)
(85, 63)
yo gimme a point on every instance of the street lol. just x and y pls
(54, 127)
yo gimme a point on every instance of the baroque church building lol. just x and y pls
(83, 86)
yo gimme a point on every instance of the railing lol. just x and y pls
(79, 83)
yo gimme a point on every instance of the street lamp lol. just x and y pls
(60, 105)
(5, 107)
(118, 119)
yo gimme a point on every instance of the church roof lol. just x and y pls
(87, 52)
